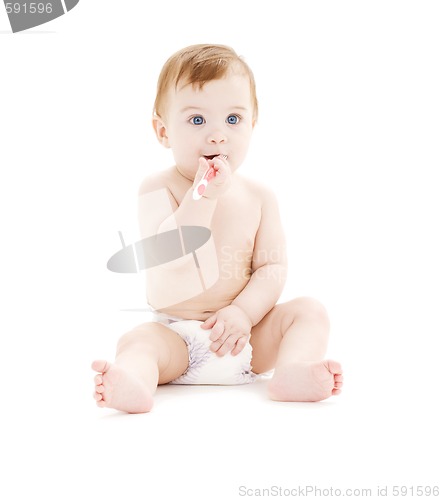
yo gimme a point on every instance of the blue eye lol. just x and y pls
(197, 120)
(233, 119)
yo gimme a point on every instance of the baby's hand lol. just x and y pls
(218, 185)
(231, 329)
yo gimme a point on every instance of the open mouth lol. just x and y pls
(210, 157)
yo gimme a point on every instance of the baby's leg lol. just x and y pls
(149, 355)
(293, 338)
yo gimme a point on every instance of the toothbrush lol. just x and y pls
(201, 186)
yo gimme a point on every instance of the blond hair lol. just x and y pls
(197, 65)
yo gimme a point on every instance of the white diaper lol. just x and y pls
(204, 366)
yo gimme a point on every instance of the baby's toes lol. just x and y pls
(99, 389)
(97, 396)
(338, 381)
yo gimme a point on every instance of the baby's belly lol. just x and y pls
(233, 258)
(232, 280)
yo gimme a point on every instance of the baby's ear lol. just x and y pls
(160, 131)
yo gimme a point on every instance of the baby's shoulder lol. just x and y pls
(155, 181)
(256, 189)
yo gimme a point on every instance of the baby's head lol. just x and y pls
(196, 65)
(206, 106)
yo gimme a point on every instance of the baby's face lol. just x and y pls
(218, 119)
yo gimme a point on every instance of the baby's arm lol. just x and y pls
(232, 325)
(200, 212)
(178, 275)
(269, 265)
(158, 210)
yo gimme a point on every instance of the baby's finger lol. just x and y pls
(216, 345)
(220, 160)
(222, 170)
(209, 322)
(203, 167)
(217, 330)
(226, 347)
(240, 344)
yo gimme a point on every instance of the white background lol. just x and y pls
(348, 137)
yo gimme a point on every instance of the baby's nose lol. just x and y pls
(216, 137)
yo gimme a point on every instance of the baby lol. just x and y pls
(217, 262)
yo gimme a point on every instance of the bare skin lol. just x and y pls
(250, 245)
(118, 388)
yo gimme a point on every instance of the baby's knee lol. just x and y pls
(309, 308)
(145, 333)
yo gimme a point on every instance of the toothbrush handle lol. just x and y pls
(199, 190)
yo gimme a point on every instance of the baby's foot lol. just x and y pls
(117, 388)
(313, 381)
